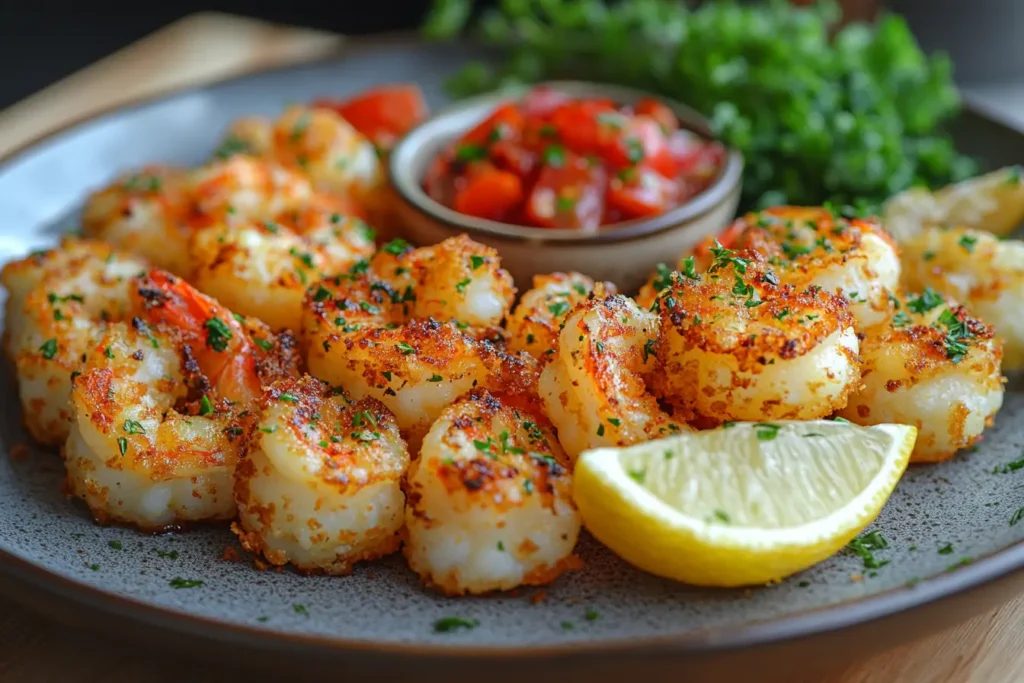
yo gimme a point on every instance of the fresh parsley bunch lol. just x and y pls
(849, 118)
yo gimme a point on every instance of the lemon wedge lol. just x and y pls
(743, 504)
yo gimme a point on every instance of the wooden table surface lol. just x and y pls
(208, 47)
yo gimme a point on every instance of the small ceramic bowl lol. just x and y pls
(624, 253)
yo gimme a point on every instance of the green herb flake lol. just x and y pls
(205, 405)
(451, 624)
(49, 349)
(946, 549)
(116, 545)
(217, 334)
(122, 445)
(300, 609)
(179, 582)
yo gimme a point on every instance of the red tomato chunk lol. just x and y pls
(552, 161)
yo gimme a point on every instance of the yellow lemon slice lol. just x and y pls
(744, 504)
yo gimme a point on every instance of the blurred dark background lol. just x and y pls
(42, 41)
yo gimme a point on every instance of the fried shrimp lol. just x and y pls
(59, 302)
(160, 405)
(490, 504)
(262, 268)
(594, 388)
(327, 149)
(146, 213)
(983, 273)
(932, 366)
(319, 485)
(398, 329)
(811, 247)
(533, 325)
(241, 187)
(737, 345)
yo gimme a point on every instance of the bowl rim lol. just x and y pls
(448, 122)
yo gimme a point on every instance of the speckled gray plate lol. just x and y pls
(604, 613)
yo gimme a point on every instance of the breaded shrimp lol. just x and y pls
(534, 324)
(371, 331)
(144, 212)
(326, 148)
(490, 504)
(812, 247)
(737, 345)
(241, 187)
(932, 366)
(262, 268)
(319, 485)
(981, 272)
(250, 135)
(160, 405)
(59, 302)
(594, 388)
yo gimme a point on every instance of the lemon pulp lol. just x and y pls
(744, 504)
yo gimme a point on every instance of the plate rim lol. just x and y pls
(774, 630)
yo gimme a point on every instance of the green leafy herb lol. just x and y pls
(300, 609)
(554, 156)
(476, 261)
(819, 114)
(134, 427)
(167, 554)
(967, 242)
(864, 547)
(765, 431)
(217, 334)
(1017, 516)
(928, 300)
(722, 516)
(946, 549)
(450, 624)
(179, 582)
(116, 545)
(205, 405)
(467, 152)
(122, 445)
(49, 349)
(559, 308)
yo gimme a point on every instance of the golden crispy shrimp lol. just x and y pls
(983, 273)
(386, 330)
(490, 504)
(242, 187)
(737, 345)
(319, 485)
(594, 388)
(262, 268)
(59, 302)
(325, 147)
(933, 366)
(145, 213)
(812, 247)
(534, 324)
(160, 405)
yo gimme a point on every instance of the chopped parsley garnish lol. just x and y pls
(662, 277)
(205, 405)
(600, 429)
(133, 427)
(179, 582)
(634, 150)
(450, 624)
(649, 349)
(435, 378)
(288, 398)
(167, 554)
(217, 334)
(722, 516)
(264, 344)
(476, 261)
(116, 545)
(901, 319)
(554, 156)
(765, 431)
(724, 257)
(321, 294)
(592, 615)
(461, 285)
(405, 348)
(558, 308)
(864, 546)
(49, 349)
(946, 549)
(1011, 466)
(967, 242)
(300, 609)
(122, 445)
(1017, 516)
(928, 300)
(395, 247)
(957, 336)
(467, 152)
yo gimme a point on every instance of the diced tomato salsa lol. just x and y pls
(552, 161)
